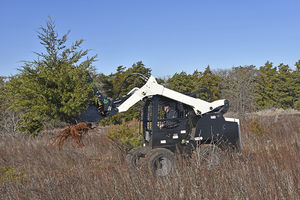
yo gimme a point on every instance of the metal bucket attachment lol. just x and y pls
(91, 114)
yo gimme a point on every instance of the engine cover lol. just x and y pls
(215, 128)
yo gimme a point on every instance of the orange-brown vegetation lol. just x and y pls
(268, 168)
(75, 132)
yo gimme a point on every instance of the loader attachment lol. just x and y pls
(104, 108)
(91, 114)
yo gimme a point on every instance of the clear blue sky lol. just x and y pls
(167, 35)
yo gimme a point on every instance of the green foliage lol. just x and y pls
(296, 86)
(187, 83)
(207, 80)
(131, 114)
(127, 137)
(278, 87)
(284, 92)
(11, 174)
(52, 87)
(110, 86)
(2, 95)
(181, 82)
(297, 105)
(265, 96)
(105, 84)
(132, 81)
(161, 81)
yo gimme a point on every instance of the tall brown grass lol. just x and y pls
(268, 168)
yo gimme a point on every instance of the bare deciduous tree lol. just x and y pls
(238, 86)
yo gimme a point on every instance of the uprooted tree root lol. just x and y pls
(74, 132)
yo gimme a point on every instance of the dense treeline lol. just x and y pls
(55, 86)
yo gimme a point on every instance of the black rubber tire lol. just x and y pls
(134, 157)
(208, 154)
(159, 162)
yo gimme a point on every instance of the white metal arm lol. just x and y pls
(153, 88)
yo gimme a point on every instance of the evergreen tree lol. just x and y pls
(207, 80)
(115, 80)
(2, 98)
(132, 81)
(2, 83)
(135, 81)
(181, 82)
(266, 85)
(284, 87)
(296, 86)
(54, 86)
(105, 84)
(118, 77)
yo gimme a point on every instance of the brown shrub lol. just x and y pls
(74, 132)
(267, 169)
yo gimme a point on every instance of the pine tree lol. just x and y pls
(181, 82)
(118, 78)
(266, 85)
(54, 86)
(284, 87)
(105, 84)
(135, 81)
(296, 86)
(207, 80)
(115, 80)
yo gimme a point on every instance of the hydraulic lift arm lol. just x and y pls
(153, 88)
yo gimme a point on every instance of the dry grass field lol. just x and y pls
(268, 168)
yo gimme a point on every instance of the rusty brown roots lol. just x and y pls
(74, 132)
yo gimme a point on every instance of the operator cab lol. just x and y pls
(185, 128)
(161, 129)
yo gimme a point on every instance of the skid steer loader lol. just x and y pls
(195, 124)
